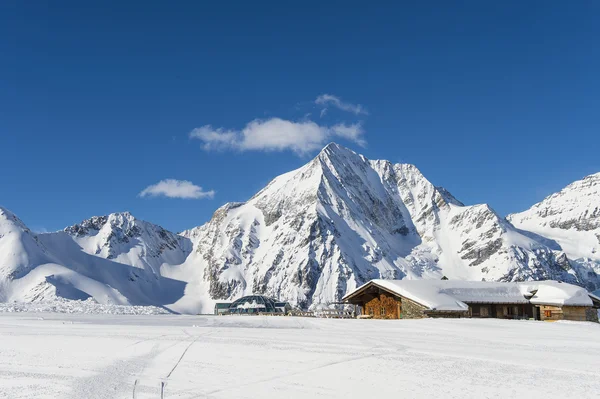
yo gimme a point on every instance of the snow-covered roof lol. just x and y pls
(551, 292)
(453, 295)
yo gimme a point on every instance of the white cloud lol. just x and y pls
(327, 99)
(214, 138)
(173, 188)
(353, 132)
(276, 134)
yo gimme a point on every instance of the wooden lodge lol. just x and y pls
(410, 299)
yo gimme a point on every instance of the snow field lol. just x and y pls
(49, 355)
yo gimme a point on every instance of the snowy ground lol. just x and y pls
(50, 355)
(89, 306)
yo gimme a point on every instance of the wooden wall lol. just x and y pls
(575, 313)
(481, 310)
(383, 307)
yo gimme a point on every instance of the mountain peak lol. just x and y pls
(334, 149)
(586, 183)
(571, 217)
(335, 156)
(117, 220)
(8, 220)
(121, 236)
(333, 146)
(593, 176)
(122, 216)
(6, 213)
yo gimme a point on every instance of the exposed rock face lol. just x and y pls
(119, 233)
(575, 207)
(571, 220)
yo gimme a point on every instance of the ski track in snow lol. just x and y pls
(168, 356)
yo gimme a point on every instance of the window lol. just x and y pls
(515, 310)
(483, 311)
(547, 313)
(382, 311)
(371, 311)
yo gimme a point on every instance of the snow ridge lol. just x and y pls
(114, 259)
(571, 219)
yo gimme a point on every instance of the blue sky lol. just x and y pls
(496, 101)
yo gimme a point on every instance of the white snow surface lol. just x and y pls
(117, 356)
(557, 293)
(446, 295)
(89, 306)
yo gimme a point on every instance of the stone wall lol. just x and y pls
(591, 314)
(412, 310)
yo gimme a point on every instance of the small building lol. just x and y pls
(283, 307)
(256, 304)
(222, 308)
(409, 299)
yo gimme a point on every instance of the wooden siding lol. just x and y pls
(481, 310)
(576, 313)
(552, 313)
(383, 307)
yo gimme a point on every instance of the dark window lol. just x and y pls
(371, 311)
(382, 311)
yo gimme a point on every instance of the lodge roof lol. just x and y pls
(454, 295)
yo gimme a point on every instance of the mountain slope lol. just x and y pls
(45, 266)
(125, 239)
(571, 220)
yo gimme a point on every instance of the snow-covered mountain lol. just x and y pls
(315, 233)
(571, 220)
(308, 237)
(127, 240)
(114, 259)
